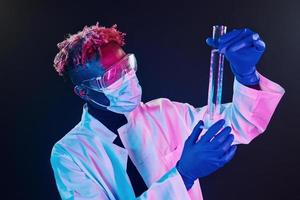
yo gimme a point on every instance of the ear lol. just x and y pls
(80, 91)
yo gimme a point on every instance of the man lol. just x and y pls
(161, 139)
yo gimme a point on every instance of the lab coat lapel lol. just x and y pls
(113, 160)
(141, 149)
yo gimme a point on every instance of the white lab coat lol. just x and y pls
(87, 165)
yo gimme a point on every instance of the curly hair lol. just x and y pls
(77, 49)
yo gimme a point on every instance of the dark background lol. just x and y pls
(168, 39)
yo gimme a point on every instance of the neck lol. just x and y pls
(110, 119)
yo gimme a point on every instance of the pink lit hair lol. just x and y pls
(78, 48)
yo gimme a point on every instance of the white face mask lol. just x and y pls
(124, 95)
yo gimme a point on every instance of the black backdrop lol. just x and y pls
(168, 39)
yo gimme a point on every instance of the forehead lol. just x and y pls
(111, 53)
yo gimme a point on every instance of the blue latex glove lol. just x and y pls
(203, 157)
(242, 48)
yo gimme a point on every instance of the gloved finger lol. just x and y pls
(212, 43)
(218, 139)
(245, 33)
(260, 45)
(224, 146)
(212, 131)
(245, 42)
(245, 52)
(195, 133)
(228, 36)
(215, 42)
(229, 154)
(223, 39)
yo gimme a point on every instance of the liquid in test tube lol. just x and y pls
(215, 76)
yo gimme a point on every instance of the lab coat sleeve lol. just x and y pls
(251, 110)
(169, 186)
(71, 182)
(248, 114)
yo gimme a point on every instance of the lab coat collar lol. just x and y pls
(129, 115)
(95, 126)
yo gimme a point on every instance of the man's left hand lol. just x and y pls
(242, 48)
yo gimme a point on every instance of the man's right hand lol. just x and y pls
(203, 157)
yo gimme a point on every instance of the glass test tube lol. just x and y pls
(215, 76)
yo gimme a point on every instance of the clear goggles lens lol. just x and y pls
(114, 73)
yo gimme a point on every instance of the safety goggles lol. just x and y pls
(114, 73)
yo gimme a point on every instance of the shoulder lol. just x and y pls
(163, 104)
(70, 142)
(158, 107)
(153, 106)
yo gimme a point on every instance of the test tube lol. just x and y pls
(215, 75)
